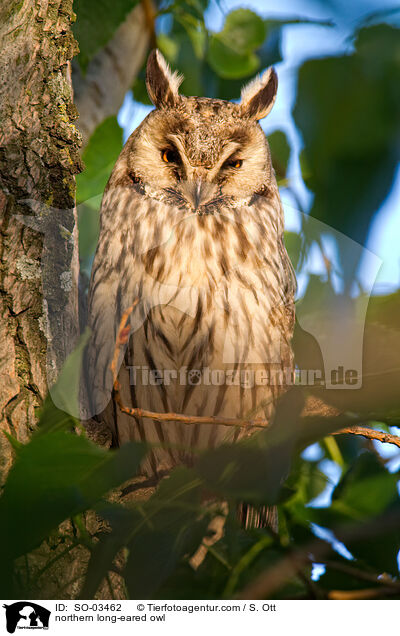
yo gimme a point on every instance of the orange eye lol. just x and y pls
(170, 156)
(233, 163)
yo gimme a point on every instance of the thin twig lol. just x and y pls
(370, 433)
(371, 577)
(356, 595)
(150, 16)
(191, 419)
(122, 338)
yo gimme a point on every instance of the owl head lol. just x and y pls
(193, 151)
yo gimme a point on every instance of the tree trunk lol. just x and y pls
(39, 156)
(39, 265)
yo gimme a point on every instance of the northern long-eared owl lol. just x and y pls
(192, 226)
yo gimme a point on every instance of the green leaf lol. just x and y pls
(307, 480)
(244, 562)
(385, 310)
(246, 44)
(170, 526)
(56, 476)
(64, 395)
(192, 69)
(122, 522)
(60, 411)
(169, 46)
(195, 29)
(280, 152)
(335, 579)
(377, 553)
(270, 52)
(231, 51)
(254, 470)
(226, 62)
(367, 488)
(348, 112)
(89, 228)
(17, 445)
(157, 533)
(99, 157)
(139, 90)
(96, 23)
(244, 29)
(366, 492)
(293, 243)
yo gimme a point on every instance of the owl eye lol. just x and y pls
(170, 156)
(233, 163)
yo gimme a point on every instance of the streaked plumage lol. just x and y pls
(197, 235)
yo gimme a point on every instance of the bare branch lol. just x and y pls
(111, 73)
(370, 433)
(190, 419)
(370, 592)
(372, 577)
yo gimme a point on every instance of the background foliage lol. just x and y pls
(338, 540)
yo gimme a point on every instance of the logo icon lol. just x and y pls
(26, 615)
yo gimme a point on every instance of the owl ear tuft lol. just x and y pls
(258, 96)
(162, 84)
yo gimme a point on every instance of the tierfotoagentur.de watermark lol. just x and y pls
(245, 378)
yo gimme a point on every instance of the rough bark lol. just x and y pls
(110, 74)
(39, 155)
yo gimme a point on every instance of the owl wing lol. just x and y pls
(104, 313)
(102, 323)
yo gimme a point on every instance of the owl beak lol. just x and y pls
(197, 192)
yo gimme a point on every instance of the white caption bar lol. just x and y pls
(196, 617)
